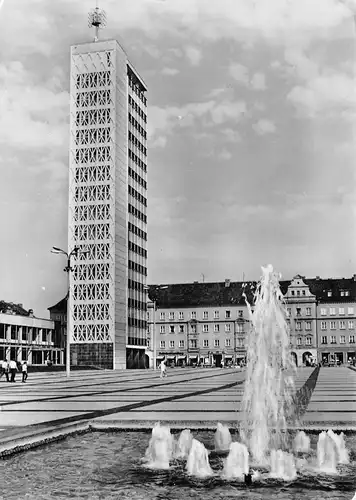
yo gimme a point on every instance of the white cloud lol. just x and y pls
(321, 89)
(31, 115)
(224, 155)
(239, 73)
(164, 120)
(263, 127)
(231, 135)
(280, 19)
(159, 142)
(258, 81)
(170, 71)
(194, 55)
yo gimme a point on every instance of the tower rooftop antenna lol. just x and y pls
(97, 19)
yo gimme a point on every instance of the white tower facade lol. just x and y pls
(107, 208)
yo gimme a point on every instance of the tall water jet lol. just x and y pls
(282, 465)
(301, 443)
(198, 461)
(269, 386)
(222, 437)
(236, 464)
(160, 448)
(326, 454)
(342, 452)
(184, 444)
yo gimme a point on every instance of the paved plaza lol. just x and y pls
(136, 399)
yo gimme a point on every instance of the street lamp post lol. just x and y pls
(154, 343)
(68, 269)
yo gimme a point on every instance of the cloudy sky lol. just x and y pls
(251, 154)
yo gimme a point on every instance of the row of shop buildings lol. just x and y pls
(23, 337)
(208, 323)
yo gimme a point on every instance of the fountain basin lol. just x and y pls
(108, 465)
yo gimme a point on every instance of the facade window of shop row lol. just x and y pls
(205, 328)
(308, 341)
(332, 311)
(193, 315)
(193, 343)
(24, 333)
(299, 311)
(341, 325)
(333, 339)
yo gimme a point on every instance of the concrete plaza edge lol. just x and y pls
(14, 440)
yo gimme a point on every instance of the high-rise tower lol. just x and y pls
(107, 206)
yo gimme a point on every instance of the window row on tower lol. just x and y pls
(135, 285)
(136, 341)
(135, 230)
(96, 154)
(92, 193)
(99, 173)
(138, 323)
(135, 194)
(91, 272)
(92, 117)
(91, 136)
(137, 126)
(83, 213)
(137, 213)
(137, 249)
(94, 251)
(95, 79)
(93, 98)
(134, 140)
(137, 160)
(137, 304)
(92, 232)
(140, 95)
(134, 175)
(137, 268)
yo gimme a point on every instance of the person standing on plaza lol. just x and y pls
(24, 371)
(13, 369)
(163, 369)
(5, 369)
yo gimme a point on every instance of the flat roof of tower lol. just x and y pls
(129, 62)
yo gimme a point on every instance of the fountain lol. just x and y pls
(222, 437)
(160, 448)
(268, 408)
(342, 452)
(184, 444)
(236, 464)
(198, 461)
(326, 454)
(269, 386)
(301, 443)
(282, 465)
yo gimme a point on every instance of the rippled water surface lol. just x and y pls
(108, 466)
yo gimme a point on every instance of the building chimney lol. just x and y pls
(20, 305)
(354, 277)
(30, 313)
(317, 277)
(227, 283)
(195, 282)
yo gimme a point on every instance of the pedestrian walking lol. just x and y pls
(4, 369)
(13, 369)
(24, 371)
(163, 369)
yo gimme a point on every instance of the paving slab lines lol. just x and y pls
(136, 399)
